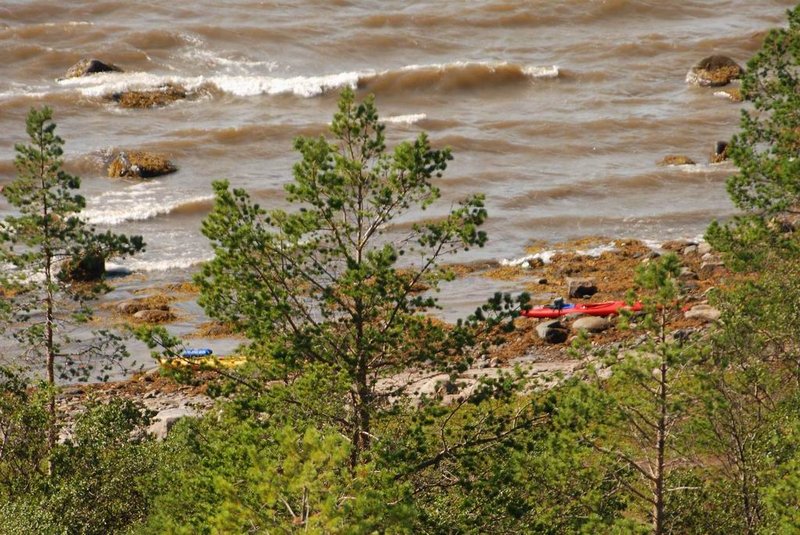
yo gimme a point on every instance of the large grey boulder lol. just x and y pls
(592, 324)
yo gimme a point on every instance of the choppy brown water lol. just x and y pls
(558, 111)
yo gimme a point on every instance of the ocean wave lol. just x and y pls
(446, 77)
(547, 256)
(136, 264)
(406, 119)
(141, 202)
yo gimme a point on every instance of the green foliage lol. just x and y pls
(766, 187)
(24, 421)
(260, 465)
(47, 234)
(100, 478)
(765, 149)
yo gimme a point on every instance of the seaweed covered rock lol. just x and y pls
(714, 71)
(139, 164)
(149, 98)
(673, 159)
(89, 66)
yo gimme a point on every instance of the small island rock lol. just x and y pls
(138, 164)
(714, 71)
(87, 66)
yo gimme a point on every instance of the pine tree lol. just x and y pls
(42, 244)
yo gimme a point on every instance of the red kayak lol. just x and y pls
(606, 308)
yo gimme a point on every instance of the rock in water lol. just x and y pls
(138, 164)
(673, 159)
(720, 153)
(714, 71)
(87, 66)
(149, 98)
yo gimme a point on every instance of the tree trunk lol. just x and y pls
(661, 439)
(51, 358)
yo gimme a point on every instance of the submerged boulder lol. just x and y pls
(734, 94)
(139, 164)
(674, 159)
(88, 66)
(714, 71)
(149, 98)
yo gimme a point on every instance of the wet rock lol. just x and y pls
(166, 420)
(138, 164)
(714, 71)
(552, 332)
(581, 287)
(734, 94)
(592, 324)
(674, 159)
(154, 316)
(703, 312)
(87, 268)
(87, 66)
(720, 153)
(149, 98)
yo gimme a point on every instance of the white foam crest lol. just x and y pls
(196, 50)
(137, 264)
(534, 71)
(406, 119)
(252, 85)
(136, 203)
(547, 256)
(551, 71)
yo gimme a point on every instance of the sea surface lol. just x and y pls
(557, 111)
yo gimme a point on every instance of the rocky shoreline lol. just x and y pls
(588, 270)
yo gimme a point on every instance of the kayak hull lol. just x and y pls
(607, 308)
